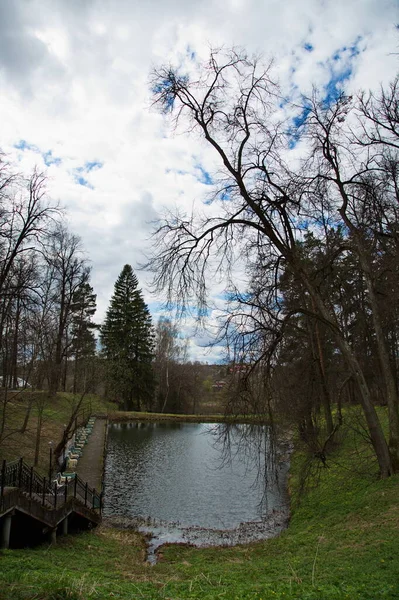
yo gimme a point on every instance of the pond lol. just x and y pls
(199, 483)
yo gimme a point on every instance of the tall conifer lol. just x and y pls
(127, 340)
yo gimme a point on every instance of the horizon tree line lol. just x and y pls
(48, 339)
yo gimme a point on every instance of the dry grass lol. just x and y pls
(56, 413)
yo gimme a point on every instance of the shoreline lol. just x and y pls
(134, 416)
(159, 534)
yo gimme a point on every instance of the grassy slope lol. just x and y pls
(56, 413)
(342, 543)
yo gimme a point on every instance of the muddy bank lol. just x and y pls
(158, 533)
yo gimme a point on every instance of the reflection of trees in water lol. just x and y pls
(210, 476)
(147, 425)
(256, 447)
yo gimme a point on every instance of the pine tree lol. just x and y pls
(127, 341)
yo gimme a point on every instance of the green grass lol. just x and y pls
(342, 543)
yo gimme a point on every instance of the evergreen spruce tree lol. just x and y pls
(128, 341)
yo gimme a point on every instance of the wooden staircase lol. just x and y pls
(24, 494)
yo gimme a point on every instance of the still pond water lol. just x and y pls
(200, 483)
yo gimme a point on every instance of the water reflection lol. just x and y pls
(212, 476)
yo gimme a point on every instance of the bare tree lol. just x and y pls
(166, 353)
(262, 200)
(352, 174)
(69, 272)
(25, 217)
(25, 214)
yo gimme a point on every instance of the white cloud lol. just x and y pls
(74, 82)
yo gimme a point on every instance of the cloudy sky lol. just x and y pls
(75, 101)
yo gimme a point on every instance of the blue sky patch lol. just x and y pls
(156, 306)
(341, 69)
(300, 119)
(303, 224)
(82, 181)
(348, 51)
(334, 87)
(91, 166)
(79, 179)
(49, 159)
(80, 172)
(165, 89)
(225, 196)
(24, 145)
(190, 53)
(293, 132)
(177, 171)
(205, 176)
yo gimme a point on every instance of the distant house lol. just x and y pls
(21, 383)
(219, 385)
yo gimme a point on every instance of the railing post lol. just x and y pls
(55, 495)
(31, 482)
(3, 476)
(66, 491)
(20, 472)
(75, 485)
(93, 498)
(44, 491)
(86, 488)
(50, 464)
(3, 481)
(5, 532)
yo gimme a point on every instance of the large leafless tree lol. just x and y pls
(264, 200)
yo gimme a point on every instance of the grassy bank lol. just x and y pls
(342, 542)
(18, 441)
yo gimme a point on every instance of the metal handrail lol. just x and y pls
(20, 475)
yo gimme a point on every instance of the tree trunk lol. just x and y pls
(383, 355)
(69, 428)
(75, 374)
(27, 415)
(65, 373)
(4, 415)
(14, 354)
(325, 395)
(167, 388)
(374, 426)
(38, 436)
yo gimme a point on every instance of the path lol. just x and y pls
(91, 463)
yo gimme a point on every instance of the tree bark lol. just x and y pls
(384, 359)
(373, 423)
